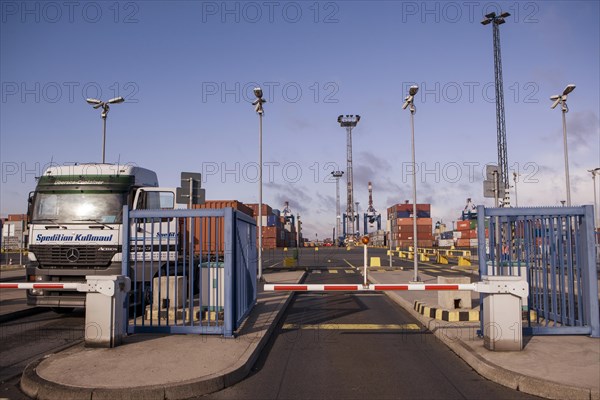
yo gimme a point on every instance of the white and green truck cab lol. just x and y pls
(76, 225)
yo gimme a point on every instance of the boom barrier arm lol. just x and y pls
(105, 310)
(519, 288)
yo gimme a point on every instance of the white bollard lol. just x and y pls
(105, 312)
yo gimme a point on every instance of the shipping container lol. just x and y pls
(209, 231)
(406, 211)
(409, 207)
(17, 217)
(463, 243)
(467, 234)
(266, 209)
(273, 220)
(409, 228)
(446, 243)
(447, 235)
(420, 221)
(409, 236)
(217, 204)
(466, 225)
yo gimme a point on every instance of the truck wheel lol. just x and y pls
(62, 310)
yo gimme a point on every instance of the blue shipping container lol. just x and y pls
(273, 220)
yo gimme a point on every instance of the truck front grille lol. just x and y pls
(61, 256)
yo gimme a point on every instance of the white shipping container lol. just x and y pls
(446, 243)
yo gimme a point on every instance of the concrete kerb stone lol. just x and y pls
(489, 370)
(38, 388)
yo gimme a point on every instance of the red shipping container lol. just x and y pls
(409, 228)
(463, 243)
(409, 221)
(409, 207)
(463, 225)
(266, 209)
(211, 239)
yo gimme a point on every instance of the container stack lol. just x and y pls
(378, 238)
(466, 233)
(272, 226)
(401, 225)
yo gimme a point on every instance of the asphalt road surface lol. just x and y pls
(356, 346)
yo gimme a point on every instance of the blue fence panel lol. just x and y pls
(188, 270)
(554, 250)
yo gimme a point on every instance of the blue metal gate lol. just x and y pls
(192, 271)
(554, 249)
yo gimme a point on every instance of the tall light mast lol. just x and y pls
(349, 122)
(496, 21)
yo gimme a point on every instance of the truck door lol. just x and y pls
(154, 238)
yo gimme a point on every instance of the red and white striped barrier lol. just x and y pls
(517, 288)
(373, 287)
(91, 285)
(41, 285)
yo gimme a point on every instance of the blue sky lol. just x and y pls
(186, 70)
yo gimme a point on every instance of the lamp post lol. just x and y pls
(409, 101)
(356, 203)
(562, 100)
(516, 198)
(338, 218)
(258, 107)
(105, 108)
(595, 172)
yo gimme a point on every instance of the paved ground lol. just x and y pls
(159, 366)
(553, 367)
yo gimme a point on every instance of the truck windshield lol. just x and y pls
(79, 207)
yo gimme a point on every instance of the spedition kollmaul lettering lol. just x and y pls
(80, 237)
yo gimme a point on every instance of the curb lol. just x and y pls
(38, 388)
(493, 372)
(446, 315)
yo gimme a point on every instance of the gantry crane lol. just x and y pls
(371, 216)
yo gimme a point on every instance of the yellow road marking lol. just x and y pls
(349, 271)
(333, 271)
(354, 327)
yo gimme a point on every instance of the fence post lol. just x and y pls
(590, 275)
(229, 253)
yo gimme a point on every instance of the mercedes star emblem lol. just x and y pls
(72, 255)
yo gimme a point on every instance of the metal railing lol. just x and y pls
(554, 249)
(192, 271)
